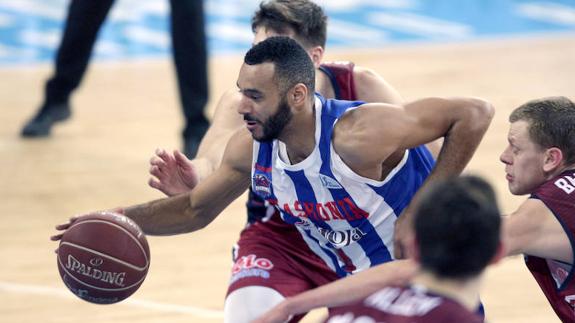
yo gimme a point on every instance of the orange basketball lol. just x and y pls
(103, 257)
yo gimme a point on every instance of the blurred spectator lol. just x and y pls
(82, 25)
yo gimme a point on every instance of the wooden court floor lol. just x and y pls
(123, 111)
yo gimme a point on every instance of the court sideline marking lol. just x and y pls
(8, 287)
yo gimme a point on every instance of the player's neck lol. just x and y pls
(299, 135)
(559, 171)
(466, 292)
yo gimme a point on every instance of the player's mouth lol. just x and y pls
(508, 177)
(251, 122)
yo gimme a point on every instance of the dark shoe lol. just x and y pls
(193, 134)
(42, 123)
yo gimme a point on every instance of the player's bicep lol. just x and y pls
(378, 129)
(425, 120)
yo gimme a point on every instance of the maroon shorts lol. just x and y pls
(273, 254)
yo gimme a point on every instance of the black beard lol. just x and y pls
(275, 124)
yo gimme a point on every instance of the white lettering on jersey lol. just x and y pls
(349, 318)
(406, 303)
(566, 187)
(566, 183)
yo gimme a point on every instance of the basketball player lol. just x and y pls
(323, 163)
(304, 21)
(540, 161)
(456, 227)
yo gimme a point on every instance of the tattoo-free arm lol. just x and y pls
(194, 210)
(534, 230)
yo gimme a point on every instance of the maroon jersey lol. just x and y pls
(410, 304)
(341, 77)
(555, 277)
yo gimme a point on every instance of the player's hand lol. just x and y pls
(401, 235)
(173, 174)
(65, 226)
(278, 314)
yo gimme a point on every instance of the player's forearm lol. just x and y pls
(459, 144)
(352, 288)
(463, 137)
(168, 216)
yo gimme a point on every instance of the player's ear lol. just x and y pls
(316, 54)
(553, 159)
(298, 95)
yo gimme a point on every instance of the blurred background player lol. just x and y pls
(457, 226)
(81, 29)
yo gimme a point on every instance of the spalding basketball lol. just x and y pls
(103, 257)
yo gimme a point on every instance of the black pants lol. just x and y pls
(85, 17)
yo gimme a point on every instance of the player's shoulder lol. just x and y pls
(364, 76)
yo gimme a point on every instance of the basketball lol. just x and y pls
(103, 257)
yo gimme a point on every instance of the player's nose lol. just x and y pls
(505, 156)
(244, 107)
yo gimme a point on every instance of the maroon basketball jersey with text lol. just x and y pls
(410, 304)
(554, 277)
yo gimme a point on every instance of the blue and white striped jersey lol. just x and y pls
(346, 219)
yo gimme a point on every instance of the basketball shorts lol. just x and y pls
(274, 255)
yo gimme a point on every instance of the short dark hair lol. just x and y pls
(292, 63)
(457, 226)
(551, 123)
(306, 18)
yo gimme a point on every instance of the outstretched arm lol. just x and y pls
(535, 231)
(194, 210)
(344, 291)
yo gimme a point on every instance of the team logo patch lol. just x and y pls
(344, 238)
(328, 182)
(262, 185)
(251, 266)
